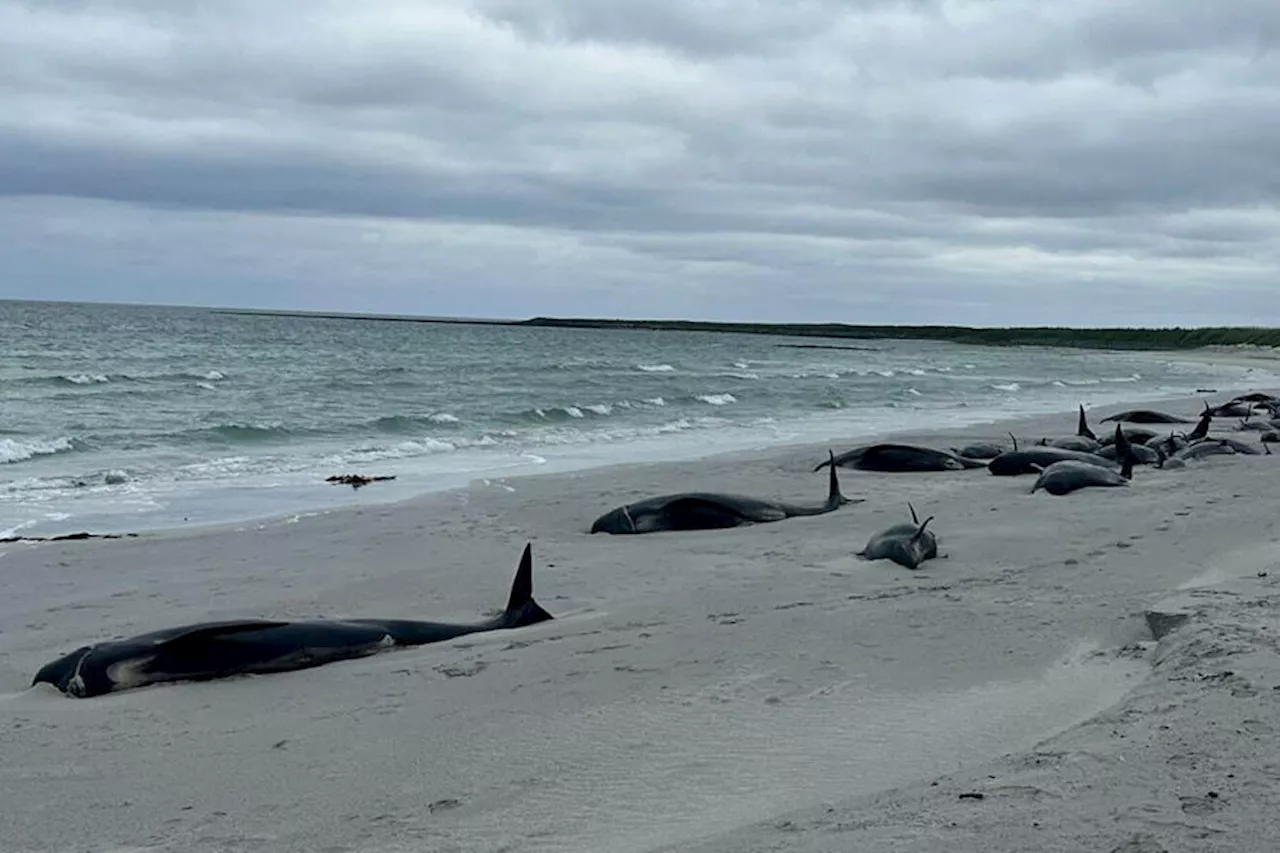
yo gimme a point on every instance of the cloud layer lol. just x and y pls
(1101, 162)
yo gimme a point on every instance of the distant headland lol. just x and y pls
(1049, 336)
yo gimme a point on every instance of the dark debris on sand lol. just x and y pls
(355, 481)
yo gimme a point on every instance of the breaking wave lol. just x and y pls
(20, 450)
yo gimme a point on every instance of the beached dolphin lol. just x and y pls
(1166, 447)
(210, 650)
(1082, 443)
(1259, 400)
(900, 458)
(1247, 425)
(1200, 450)
(1146, 416)
(1068, 475)
(1239, 446)
(1231, 410)
(1200, 435)
(711, 511)
(980, 450)
(1142, 455)
(1084, 440)
(1135, 434)
(1256, 397)
(1032, 460)
(907, 545)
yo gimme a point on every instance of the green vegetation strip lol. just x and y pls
(1112, 338)
(1045, 336)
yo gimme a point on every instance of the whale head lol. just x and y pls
(622, 520)
(76, 674)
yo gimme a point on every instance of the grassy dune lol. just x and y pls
(1117, 338)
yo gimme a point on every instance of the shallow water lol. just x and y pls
(127, 418)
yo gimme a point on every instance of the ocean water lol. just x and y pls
(126, 418)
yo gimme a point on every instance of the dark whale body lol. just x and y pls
(1030, 461)
(1142, 455)
(980, 450)
(209, 650)
(710, 511)
(1069, 475)
(901, 458)
(1135, 434)
(1146, 416)
(908, 545)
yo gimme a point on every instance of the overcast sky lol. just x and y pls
(977, 162)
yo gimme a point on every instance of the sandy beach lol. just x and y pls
(751, 689)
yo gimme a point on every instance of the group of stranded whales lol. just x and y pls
(212, 650)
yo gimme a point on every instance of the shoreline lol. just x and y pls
(996, 428)
(744, 689)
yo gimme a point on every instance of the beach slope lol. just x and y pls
(1094, 671)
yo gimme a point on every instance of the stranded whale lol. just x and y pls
(899, 458)
(907, 545)
(711, 511)
(210, 650)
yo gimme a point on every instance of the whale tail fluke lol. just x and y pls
(521, 608)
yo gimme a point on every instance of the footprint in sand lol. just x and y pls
(462, 670)
(1201, 806)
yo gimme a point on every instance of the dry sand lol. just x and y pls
(741, 690)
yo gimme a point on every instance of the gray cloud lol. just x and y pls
(873, 161)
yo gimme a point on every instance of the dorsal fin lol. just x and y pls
(834, 498)
(522, 609)
(522, 585)
(1202, 428)
(1082, 426)
(1014, 439)
(923, 525)
(915, 519)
